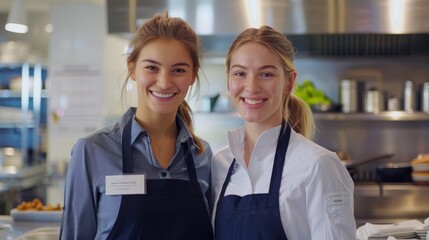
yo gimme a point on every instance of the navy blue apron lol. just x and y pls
(254, 216)
(170, 209)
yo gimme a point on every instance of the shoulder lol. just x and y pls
(102, 144)
(313, 152)
(104, 138)
(315, 161)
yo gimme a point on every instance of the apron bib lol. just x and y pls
(170, 209)
(254, 216)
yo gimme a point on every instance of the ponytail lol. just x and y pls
(186, 113)
(299, 116)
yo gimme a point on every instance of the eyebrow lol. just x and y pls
(174, 65)
(261, 68)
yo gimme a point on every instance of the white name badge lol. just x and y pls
(125, 184)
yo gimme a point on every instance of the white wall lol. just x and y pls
(75, 78)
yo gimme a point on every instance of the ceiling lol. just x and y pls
(42, 5)
(37, 18)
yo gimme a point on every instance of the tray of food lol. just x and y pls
(36, 211)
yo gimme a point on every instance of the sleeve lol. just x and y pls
(79, 215)
(330, 201)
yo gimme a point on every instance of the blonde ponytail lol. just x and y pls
(299, 116)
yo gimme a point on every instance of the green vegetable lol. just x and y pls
(310, 94)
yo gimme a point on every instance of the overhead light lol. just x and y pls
(17, 18)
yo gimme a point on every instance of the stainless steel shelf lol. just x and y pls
(6, 93)
(11, 124)
(382, 116)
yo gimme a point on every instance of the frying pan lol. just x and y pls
(394, 172)
(352, 165)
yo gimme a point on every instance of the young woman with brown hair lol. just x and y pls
(146, 176)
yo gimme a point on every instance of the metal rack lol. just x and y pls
(382, 116)
(29, 117)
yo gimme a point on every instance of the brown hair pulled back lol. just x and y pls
(171, 28)
(295, 110)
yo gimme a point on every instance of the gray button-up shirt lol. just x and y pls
(88, 212)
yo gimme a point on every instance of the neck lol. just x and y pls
(163, 131)
(157, 124)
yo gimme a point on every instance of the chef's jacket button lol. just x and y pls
(163, 174)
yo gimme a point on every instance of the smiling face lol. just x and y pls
(163, 73)
(257, 83)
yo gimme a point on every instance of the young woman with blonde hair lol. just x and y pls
(272, 181)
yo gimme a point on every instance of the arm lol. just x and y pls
(79, 217)
(330, 201)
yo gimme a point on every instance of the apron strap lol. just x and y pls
(279, 161)
(127, 167)
(191, 166)
(127, 160)
(225, 184)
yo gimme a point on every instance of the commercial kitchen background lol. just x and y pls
(84, 55)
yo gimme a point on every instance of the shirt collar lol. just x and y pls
(236, 140)
(137, 129)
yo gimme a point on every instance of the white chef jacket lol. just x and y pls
(316, 192)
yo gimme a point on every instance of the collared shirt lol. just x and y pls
(316, 192)
(88, 212)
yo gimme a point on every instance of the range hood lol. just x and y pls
(316, 27)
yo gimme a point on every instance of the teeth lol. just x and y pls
(251, 101)
(162, 95)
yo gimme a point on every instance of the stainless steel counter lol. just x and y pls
(18, 228)
(390, 203)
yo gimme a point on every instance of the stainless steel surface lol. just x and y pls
(409, 96)
(382, 116)
(15, 173)
(288, 16)
(391, 201)
(318, 27)
(425, 97)
(392, 104)
(20, 228)
(348, 95)
(364, 134)
(374, 101)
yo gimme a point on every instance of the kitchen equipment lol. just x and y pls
(425, 97)
(373, 101)
(36, 215)
(409, 96)
(352, 166)
(394, 172)
(351, 95)
(393, 104)
(348, 95)
(326, 107)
